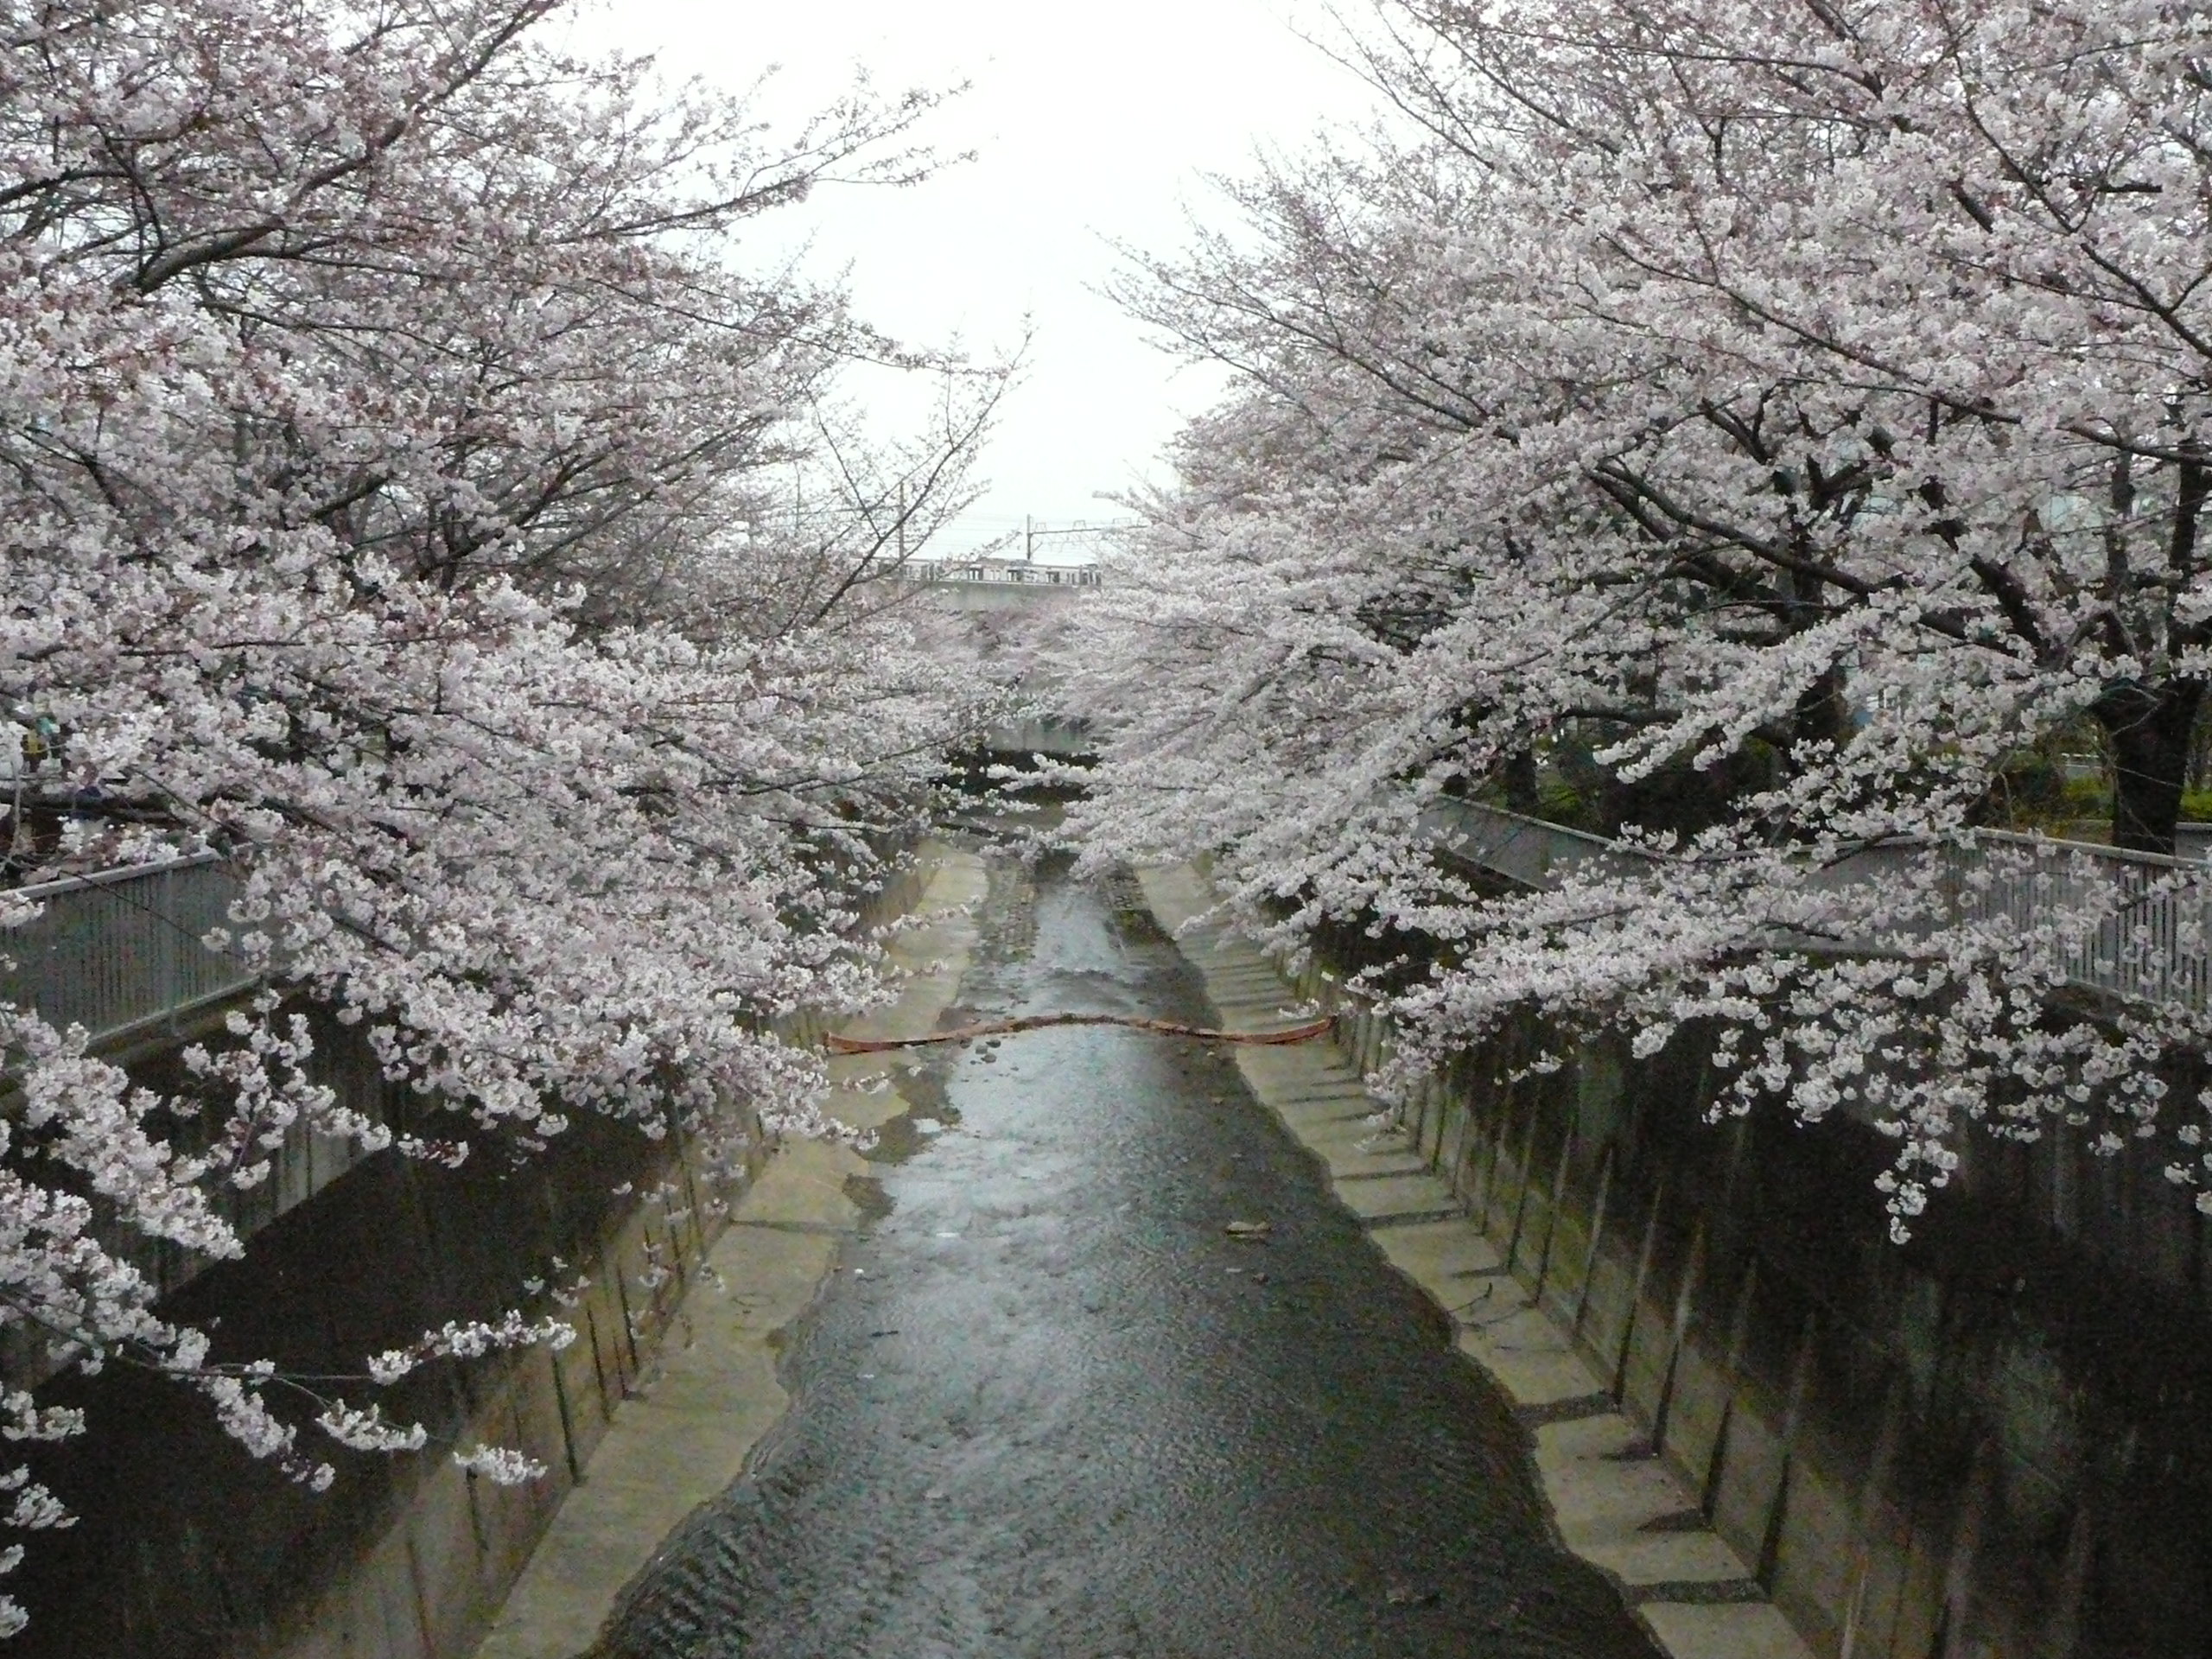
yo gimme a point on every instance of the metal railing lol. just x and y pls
(2129, 925)
(2133, 925)
(121, 950)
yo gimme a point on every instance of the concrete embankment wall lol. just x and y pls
(187, 1548)
(301, 1168)
(429, 1582)
(437, 1573)
(1991, 1441)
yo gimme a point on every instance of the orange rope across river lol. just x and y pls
(1037, 1022)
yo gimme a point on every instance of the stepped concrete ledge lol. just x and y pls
(1697, 1597)
(685, 1433)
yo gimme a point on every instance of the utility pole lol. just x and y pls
(1028, 539)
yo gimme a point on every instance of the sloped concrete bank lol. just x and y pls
(428, 1585)
(187, 1548)
(655, 1407)
(666, 1389)
(1695, 1594)
(684, 1430)
(1780, 1432)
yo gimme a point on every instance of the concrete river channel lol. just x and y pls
(1045, 1405)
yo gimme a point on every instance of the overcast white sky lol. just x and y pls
(1092, 123)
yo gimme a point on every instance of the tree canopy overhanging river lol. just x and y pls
(1049, 1407)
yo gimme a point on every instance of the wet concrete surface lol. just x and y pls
(1050, 1407)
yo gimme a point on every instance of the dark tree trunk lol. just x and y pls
(2149, 728)
(1823, 712)
(1521, 784)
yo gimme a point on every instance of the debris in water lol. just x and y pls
(1249, 1228)
(966, 1035)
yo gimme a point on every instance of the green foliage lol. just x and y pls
(2047, 788)
(1561, 803)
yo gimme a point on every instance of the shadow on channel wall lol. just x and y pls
(187, 1548)
(1996, 1439)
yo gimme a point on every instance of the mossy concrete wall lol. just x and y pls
(188, 1549)
(1991, 1441)
(429, 1582)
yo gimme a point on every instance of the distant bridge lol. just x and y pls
(987, 583)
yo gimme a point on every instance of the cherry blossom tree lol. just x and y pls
(1799, 406)
(391, 431)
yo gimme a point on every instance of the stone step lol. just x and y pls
(1621, 1510)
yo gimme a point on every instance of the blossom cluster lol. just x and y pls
(392, 453)
(1748, 430)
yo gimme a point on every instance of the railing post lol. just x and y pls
(166, 942)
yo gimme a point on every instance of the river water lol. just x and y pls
(1048, 1408)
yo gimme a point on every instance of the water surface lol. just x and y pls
(1049, 1408)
